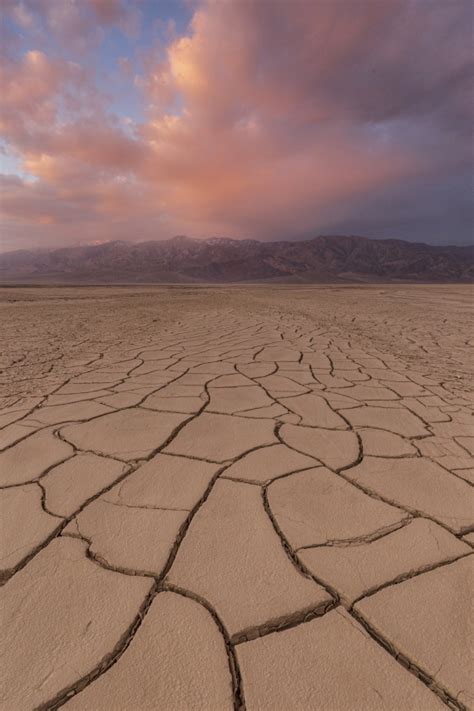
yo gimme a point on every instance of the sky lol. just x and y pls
(263, 119)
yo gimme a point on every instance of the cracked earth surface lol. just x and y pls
(237, 498)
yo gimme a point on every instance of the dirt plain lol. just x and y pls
(237, 497)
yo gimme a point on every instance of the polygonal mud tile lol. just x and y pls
(154, 366)
(318, 361)
(230, 381)
(467, 443)
(95, 377)
(216, 368)
(332, 382)
(177, 389)
(177, 660)
(65, 399)
(78, 389)
(391, 376)
(314, 411)
(66, 413)
(329, 663)
(353, 570)
(301, 376)
(139, 386)
(155, 379)
(121, 400)
(290, 418)
(267, 463)
(428, 414)
(165, 481)
(228, 400)
(420, 485)
(25, 525)
(32, 456)
(316, 506)
(232, 557)
(429, 620)
(367, 392)
(7, 418)
(340, 402)
(445, 450)
(274, 411)
(59, 623)
(256, 370)
(453, 429)
(380, 443)
(157, 354)
(397, 420)
(335, 448)
(279, 386)
(189, 405)
(127, 434)
(278, 353)
(69, 485)
(221, 437)
(16, 431)
(134, 539)
(197, 379)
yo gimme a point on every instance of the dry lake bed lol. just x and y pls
(229, 497)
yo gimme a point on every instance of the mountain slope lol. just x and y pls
(219, 260)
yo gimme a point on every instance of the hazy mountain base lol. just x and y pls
(184, 260)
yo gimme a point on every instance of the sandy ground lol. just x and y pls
(237, 497)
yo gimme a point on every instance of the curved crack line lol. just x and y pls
(236, 677)
(144, 506)
(46, 471)
(440, 691)
(361, 540)
(416, 513)
(409, 575)
(269, 481)
(241, 481)
(446, 469)
(7, 574)
(103, 563)
(285, 622)
(108, 660)
(43, 502)
(290, 553)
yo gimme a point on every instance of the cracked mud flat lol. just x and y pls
(237, 498)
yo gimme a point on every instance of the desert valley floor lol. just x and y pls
(237, 498)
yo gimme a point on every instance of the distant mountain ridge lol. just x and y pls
(222, 260)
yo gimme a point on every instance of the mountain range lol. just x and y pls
(222, 260)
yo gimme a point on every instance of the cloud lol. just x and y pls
(293, 110)
(267, 120)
